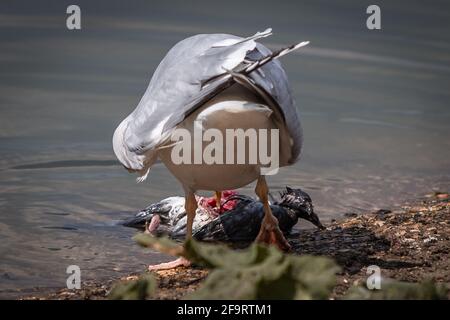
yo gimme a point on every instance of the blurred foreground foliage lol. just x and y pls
(398, 290)
(258, 272)
(142, 288)
(261, 272)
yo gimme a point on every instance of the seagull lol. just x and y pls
(238, 219)
(223, 82)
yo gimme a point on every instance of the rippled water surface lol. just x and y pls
(374, 106)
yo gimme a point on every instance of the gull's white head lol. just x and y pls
(131, 161)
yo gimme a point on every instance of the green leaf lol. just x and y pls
(258, 272)
(220, 256)
(139, 289)
(261, 272)
(398, 290)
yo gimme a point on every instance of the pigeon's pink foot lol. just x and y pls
(151, 227)
(180, 262)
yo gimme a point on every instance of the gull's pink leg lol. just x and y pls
(191, 207)
(270, 232)
(218, 199)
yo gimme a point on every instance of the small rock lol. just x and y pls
(430, 240)
(350, 214)
(382, 212)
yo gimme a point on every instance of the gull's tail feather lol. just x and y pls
(232, 42)
(256, 64)
(275, 55)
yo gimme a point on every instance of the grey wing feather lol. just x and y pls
(175, 82)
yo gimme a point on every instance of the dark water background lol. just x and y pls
(374, 106)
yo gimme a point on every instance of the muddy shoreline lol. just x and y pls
(411, 243)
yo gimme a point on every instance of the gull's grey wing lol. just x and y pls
(194, 71)
(273, 79)
(177, 80)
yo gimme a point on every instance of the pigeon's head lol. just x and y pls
(300, 202)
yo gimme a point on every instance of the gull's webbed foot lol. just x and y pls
(271, 233)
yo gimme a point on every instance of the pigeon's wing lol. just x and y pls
(239, 224)
(163, 208)
(178, 82)
(243, 223)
